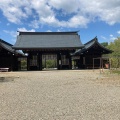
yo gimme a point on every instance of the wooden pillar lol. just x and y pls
(59, 63)
(100, 63)
(70, 62)
(45, 61)
(80, 62)
(28, 62)
(40, 61)
(16, 63)
(93, 63)
(12, 62)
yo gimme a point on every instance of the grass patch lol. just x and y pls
(116, 71)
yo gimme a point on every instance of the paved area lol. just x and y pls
(59, 95)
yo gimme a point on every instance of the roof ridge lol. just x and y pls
(94, 39)
(5, 42)
(48, 33)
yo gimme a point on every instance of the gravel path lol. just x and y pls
(58, 95)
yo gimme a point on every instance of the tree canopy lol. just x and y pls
(115, 55)
(115, 47)
(105, 44)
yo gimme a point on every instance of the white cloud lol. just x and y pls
(48, 31)
(25, 30)
(118, 32)
(15, 33)
(103, 37)
(82, 12)
(76, 21)
(109, 38)
(105, 10)
(112, 38)
(111, 35)
(58, 30)
(42, 8)
(13, 10)
(68, 6)
(34, 24)
(11, 33)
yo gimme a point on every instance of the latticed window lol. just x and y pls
(65, 61)
(33, 61)
(50, 57)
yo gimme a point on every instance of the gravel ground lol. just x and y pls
(59, 95)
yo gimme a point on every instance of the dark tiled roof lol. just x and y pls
(9, 48)
(39, 40)
(89, 45)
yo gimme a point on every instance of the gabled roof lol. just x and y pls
(91, 44)
(7, 46)
(47, 40)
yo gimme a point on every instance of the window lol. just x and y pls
(33, 61)
(65, 61)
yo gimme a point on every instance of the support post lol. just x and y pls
(40, 61)
(93, 64)
(70, 62)
(28, 62)
(59, 62)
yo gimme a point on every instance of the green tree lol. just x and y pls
(50, 63)
(115, 47)
(105, 44)
(115, 55)
(23, 64)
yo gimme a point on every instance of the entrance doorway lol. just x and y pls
(49, 61)
(22, 64)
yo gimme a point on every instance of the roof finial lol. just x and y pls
(96, 38)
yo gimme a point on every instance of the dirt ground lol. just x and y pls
(59, 95)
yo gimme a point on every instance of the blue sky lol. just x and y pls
(99, 18)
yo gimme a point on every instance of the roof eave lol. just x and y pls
(37, 48)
